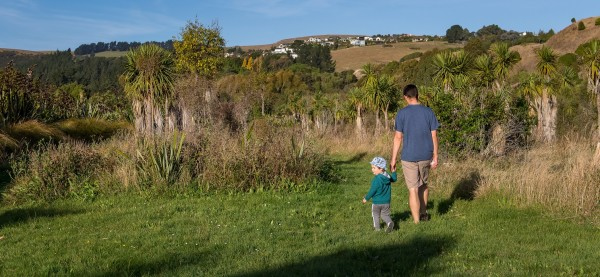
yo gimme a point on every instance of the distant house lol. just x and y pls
(314, 40)
(284, 49)
(358, 42)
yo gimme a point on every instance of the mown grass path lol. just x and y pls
(321, 233)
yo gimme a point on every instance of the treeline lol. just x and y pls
(493, 33)
(62, 67)
(313, 55)
(92, 48)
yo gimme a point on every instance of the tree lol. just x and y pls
(149, 82)
(589, 54)
(581, 26)
(451, 69)
(503, 60)
(573, 20)
(200, 49)
(455, 33)
(552, 80)
(357, 100)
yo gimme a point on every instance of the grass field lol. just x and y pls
(355, 57)
(324, 232)
(111, 54)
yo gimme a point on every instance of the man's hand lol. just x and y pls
(393, 166)
(434, 163)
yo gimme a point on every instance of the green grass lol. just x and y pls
(111, 54)
(320, 233)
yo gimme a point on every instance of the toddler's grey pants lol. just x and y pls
(384, 211)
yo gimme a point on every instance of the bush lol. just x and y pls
(56, 171)
(581, 26)
(159, 161)
(597, 22)
(263, 157)
(90, 128)
(411, 56)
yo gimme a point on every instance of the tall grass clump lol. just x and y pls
(56, 171)
(159, 161)
(91, 128)
(263, 157)
(560, 177)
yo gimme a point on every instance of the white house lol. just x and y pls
(357, 42)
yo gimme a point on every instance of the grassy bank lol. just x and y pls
(323, 232)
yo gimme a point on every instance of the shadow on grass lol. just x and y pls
(401, 259)
(21, 215)
(355, 158)
(464, 190)
(405, 215)
(166, 264)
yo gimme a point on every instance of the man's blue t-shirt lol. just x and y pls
(416, 123)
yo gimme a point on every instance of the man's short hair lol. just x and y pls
(411, 91)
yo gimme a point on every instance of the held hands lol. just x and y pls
(364, 201)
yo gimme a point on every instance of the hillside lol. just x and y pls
(24, 52)
(565, 41)
(291, 40)
(355, 57)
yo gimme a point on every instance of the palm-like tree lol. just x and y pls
(387, 91)
(452, 69)
(503, 60)
(483, 70)
(547, 106)
(589, 53)
(444, 71)
(149, 82)
(357, 100)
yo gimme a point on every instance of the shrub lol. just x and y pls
(56, 171)
(581, 26)
(33, 131)
(597, 22)
(411, 56)
(159, 161)
(90, 128)
(263, 157)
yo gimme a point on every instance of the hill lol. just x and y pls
(24, 52)
(565, 41)
(355, 57)
(291, 40)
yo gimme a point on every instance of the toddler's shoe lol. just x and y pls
(390, 227)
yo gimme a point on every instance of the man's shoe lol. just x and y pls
(390, 227)
(424, 217)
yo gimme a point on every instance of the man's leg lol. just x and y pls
(413, 202)
(411, 177)
(424, 167)
(423, 196)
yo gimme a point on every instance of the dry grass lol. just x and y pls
(355, 57)
(565, 41)
(35, 131)
(558, 177)
(92, 128)
(8, 143)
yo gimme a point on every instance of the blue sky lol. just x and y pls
(51, 25)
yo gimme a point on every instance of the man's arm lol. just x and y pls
(395, 149)
(434, 162)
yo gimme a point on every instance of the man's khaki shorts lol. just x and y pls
(416, 173)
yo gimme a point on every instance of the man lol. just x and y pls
(416, 130)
